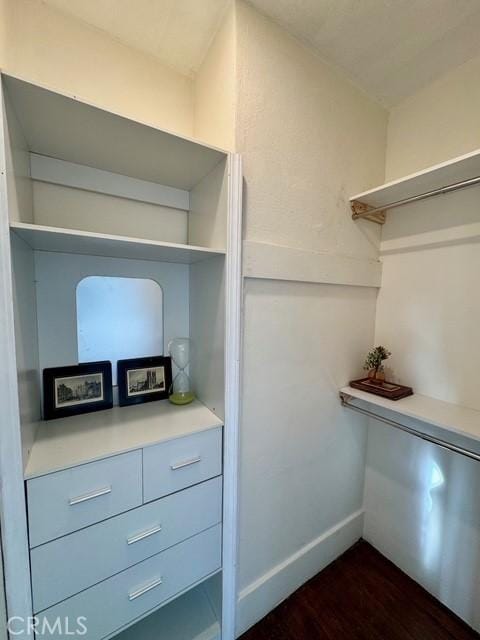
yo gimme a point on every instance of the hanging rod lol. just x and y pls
(418, 434)
(377, 214)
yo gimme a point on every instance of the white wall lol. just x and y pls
(439, 122)
(45, 46)
(308, 139)
(421, 502)
(215, 88)
(60, 206)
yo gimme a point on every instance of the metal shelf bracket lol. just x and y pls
(362, 210)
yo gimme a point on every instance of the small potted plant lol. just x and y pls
(373, 364)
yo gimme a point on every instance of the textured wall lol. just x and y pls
(215, 88)
(308, 140)
(41, 44)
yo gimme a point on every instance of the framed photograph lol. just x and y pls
(143, 379)
(81, 388)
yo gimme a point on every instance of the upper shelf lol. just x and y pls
(457, 425)
(416, 185)
(71, 441)
(60, 240)
(66, 128)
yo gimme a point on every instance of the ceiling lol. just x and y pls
(178, 32)
(389, 48)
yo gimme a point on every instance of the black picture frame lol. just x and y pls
(129, 373)
(60, 384)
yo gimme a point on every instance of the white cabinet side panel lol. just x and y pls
(207, 327)
(12, 496)
(207, 222)
(19, 184)
(26, 341)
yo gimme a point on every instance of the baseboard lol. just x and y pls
(268, 591)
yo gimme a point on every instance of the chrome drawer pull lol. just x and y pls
(148, 587)
(144, 534)
(90, 496)
(186, 463)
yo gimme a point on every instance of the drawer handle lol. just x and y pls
(185, 463)
(133, 595)
(144, 534)
(90, 496)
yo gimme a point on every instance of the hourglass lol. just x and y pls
(179, 349)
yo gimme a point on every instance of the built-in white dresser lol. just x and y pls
(124, 513)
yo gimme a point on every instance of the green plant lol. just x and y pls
(374, 359)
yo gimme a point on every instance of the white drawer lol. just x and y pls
(120, 600)
(65, 501)
(70, 564)
(174, 465)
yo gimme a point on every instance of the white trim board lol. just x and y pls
(79, 176)
(233, 322)
(275, 262)
(459, 234)
(270, 589)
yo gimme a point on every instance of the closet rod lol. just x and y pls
(422, 196)
(418, 434)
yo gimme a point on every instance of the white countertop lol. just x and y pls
(67, 442)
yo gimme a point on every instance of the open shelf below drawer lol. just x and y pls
(188, 617)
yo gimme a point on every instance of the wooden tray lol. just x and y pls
(390, 390)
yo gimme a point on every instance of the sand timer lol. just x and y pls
(179, 349)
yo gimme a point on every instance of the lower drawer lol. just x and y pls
(75, 562)
(120, 600)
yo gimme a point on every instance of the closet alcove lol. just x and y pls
(90, 193)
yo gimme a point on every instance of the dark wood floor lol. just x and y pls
(361, 596)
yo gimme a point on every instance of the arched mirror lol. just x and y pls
(118, 318)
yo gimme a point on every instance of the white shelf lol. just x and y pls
(67, 442)
(61, 240)
(452, 422)
(67, 128)
(189, 617)
(440, 175)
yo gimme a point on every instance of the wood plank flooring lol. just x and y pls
(361, 596)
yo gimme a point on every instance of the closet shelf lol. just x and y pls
(188, 617)
(60, 240)
(449, 425)
(66, 442)
(458, 173)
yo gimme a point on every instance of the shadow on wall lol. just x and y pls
(442, 212)
(423, 512)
